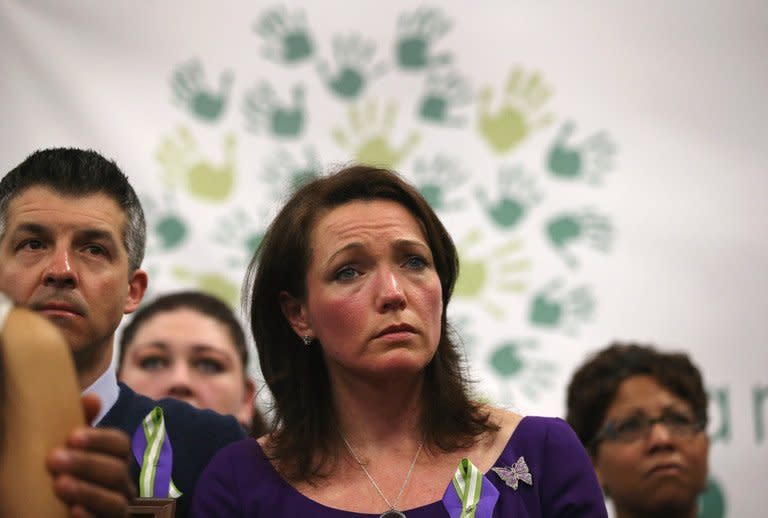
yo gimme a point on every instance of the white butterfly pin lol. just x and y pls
(512, 474)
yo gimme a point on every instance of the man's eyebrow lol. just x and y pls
(32, 228)
(95, 234)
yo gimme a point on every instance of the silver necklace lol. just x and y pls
(392, 512)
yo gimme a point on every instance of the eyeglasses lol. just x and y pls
(639, 427)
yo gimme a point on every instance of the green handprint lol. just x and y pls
(371, 134)
(189, 89)
(210, 282)
(554, 307)
(286, 37)
(517, 194)
(712, 502)
(585, 226)
(519, 370)
(167, 226)
(516, 119)
(496, 273)
(588, 161)
(436, 178)
(262, 109)
(179, 155)
(285, 174)
(237, 231)
(353, 56)
(416, 33)
(443, 93)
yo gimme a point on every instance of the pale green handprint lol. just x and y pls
(189, 89)
(444, 92)
(264, 111)
(520, 371)
(518, 116)
(285, 35)
(237, 231)
(588, 161)
(436, 178)
(354, 66)
(517, 194)
(210, 282)
(417, 31)
(368, 137)
(284, 173)
(167, 228)
(496, 273)
(585, 226)
(179, 155)
(555, 307)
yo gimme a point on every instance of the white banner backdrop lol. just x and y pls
(601, 165)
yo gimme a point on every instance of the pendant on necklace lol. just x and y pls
(392, 513)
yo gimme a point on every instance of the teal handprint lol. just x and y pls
(712, 502)
(354, 67)
(520, 371)
(166, 225)
(237, 231)
(368, 138)
(585, 226)
(555, 307)
(263, 111)
(443, 93)
(189, 89)
(436, 178)
(179, 156)
(417, 31)
(285, 35)
(210, 282)
(496, 273)
(285, 173)
(517, 194)
(523, 97)
(588, 160)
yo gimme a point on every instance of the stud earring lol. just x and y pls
(307, 340)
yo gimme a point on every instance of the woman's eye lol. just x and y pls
(346, 273)
(208, 366)
(416, 262)
(153, 363)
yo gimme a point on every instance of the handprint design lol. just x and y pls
(167, 227)
(587, 161)
(417, 32)
(555, 307)
(584, 226)
(284, 173)
(497, 273)
(178, 155)
(353, 56)
(444, 92)
(371, 133)
(518, 116)
(519, 370)
(263, 111)
(189, 90)
(435, 178)
(517, 194)
(237, 231)
(209, 282)
(285, 36)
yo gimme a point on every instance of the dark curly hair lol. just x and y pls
(594, 385)
(304, 434)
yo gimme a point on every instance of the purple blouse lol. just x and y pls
(240, 481)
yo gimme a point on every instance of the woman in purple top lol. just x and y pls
(349, 291)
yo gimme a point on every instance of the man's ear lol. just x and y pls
(296, 313)
(137, 286)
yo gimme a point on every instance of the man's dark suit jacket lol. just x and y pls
(195, 436)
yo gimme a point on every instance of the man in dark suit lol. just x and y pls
(72, 238)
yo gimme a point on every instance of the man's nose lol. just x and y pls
(60, 271)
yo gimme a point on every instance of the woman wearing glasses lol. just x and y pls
(641, 414)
